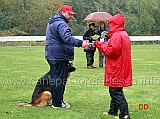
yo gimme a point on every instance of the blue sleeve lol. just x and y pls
(66, 35)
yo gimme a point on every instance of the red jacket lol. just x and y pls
(118, 65)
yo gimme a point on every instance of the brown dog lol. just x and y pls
(42, 92)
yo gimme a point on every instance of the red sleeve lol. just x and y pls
(112, 48)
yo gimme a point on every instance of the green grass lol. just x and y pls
(20, 68)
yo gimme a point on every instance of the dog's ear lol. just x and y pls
(71, 68)
(70, 62)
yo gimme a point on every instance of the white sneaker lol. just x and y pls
(106, 113)
(55, 107)
(64, 105)
(116, 117)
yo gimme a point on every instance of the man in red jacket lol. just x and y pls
(118, 70)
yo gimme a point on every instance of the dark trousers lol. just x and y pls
(118, 101)
(90, 57)
(59, 74)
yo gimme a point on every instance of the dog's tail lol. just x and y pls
(19, 103)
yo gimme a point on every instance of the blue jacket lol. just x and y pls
(59, 40)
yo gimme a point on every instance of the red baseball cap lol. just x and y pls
(67, 8)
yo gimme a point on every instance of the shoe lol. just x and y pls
(93, 66)
(64, 105)
(100, 65)
(126, 117)
(90, 67)
(55, 107)
(116, 117)
(106, 113)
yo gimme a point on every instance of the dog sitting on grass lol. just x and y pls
(42, 92)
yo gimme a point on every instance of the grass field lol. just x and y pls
(20, 68)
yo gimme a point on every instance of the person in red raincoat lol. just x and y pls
(118, 67)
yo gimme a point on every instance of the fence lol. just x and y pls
(42, 38)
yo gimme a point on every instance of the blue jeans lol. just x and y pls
(101, 58)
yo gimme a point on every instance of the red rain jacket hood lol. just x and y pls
(118, 65)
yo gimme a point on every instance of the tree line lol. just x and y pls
(29, 17)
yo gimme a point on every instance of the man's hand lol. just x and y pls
(85, 45)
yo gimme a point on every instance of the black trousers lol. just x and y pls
(59, 74)
(118, 101)
(90, 57)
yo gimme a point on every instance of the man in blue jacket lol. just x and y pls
(59, 50)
